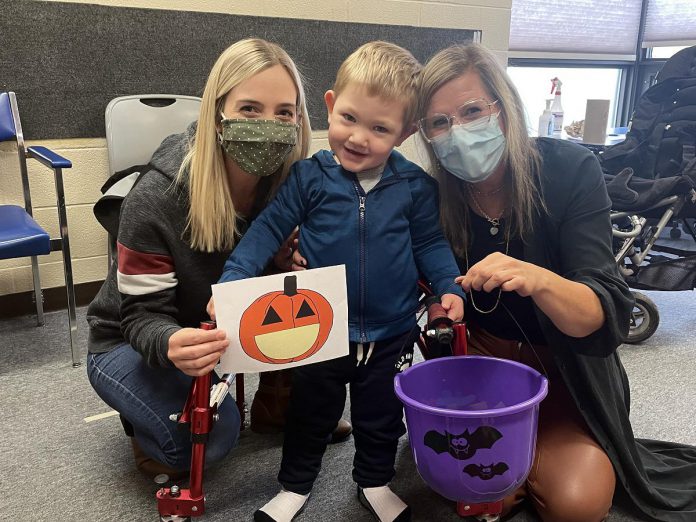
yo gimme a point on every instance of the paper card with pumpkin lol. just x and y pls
(283, 320)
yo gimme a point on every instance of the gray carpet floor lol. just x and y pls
(55, 466)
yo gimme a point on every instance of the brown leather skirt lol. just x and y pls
(572, 478)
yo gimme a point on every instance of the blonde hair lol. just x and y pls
(385, 70)
(212, 219)
(521, 158)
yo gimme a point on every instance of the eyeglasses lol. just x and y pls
(471, 111)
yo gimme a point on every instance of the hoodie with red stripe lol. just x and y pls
(159, 284)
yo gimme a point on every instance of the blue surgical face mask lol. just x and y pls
(471, 151)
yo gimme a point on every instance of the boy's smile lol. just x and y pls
(363, 129)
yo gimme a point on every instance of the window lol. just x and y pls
(666, 52)
(579, 85)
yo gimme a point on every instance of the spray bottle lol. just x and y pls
(546, 121)
(556, 107)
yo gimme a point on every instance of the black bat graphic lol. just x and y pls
(464, 445)
(486, 472)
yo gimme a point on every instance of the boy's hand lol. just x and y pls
(196, 352)
(454, 306)
(211, 309)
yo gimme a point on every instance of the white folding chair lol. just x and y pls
(135, 127)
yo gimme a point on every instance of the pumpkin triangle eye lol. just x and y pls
(272, 317)
(304, 311)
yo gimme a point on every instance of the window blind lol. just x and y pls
(575, 26)
(671, 22)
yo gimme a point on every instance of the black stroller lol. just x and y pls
(642, 209)
(651, 178)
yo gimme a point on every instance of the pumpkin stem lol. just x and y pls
(290, 283)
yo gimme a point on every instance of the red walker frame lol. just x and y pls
(200, 416)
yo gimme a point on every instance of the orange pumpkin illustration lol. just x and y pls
(282, 327)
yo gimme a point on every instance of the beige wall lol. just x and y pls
(89, 156)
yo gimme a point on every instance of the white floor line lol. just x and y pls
(101, 416)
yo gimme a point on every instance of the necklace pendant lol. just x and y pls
(494, 230)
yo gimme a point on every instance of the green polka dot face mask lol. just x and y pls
(259, 147)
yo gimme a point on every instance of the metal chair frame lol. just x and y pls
(57, 163)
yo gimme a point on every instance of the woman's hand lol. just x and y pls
(454, 306)
(298, 262)
(196, 352)
(500, 270)
(283, 259)
(288, 257)
(210, 309)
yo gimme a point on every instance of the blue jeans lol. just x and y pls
(147, 396)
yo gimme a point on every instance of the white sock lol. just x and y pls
(384, 502)
(284, 506)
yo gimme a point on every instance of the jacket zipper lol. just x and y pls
(362, 198)
(361, 227)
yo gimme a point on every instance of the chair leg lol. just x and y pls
(110, 251)
(38, 296)
(72, 315)
(67, 267)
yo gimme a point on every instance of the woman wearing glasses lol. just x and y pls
(529, 221)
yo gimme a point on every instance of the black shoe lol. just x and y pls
(404, 516)
(341, 432)
(260, 516)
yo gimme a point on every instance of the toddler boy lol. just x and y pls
(363, 205)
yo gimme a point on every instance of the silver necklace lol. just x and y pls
(487, 194)
(500, 288)
(494, 221)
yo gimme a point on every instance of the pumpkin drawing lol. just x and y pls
(282, 327)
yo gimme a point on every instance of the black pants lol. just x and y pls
(317, 400)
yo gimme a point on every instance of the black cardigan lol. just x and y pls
(574, 240)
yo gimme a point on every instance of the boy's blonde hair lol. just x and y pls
(386, 70)
(212, 219)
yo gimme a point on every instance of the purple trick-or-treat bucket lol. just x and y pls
(472, 424)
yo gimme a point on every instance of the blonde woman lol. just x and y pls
(529, 221)
(178, 226)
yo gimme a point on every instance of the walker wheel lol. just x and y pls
(645, 318)
(675, 232)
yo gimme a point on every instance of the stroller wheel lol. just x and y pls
(675, 232)
(645, 319)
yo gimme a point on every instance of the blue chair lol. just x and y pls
(20, 235)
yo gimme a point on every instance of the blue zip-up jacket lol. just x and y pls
(385, 238)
